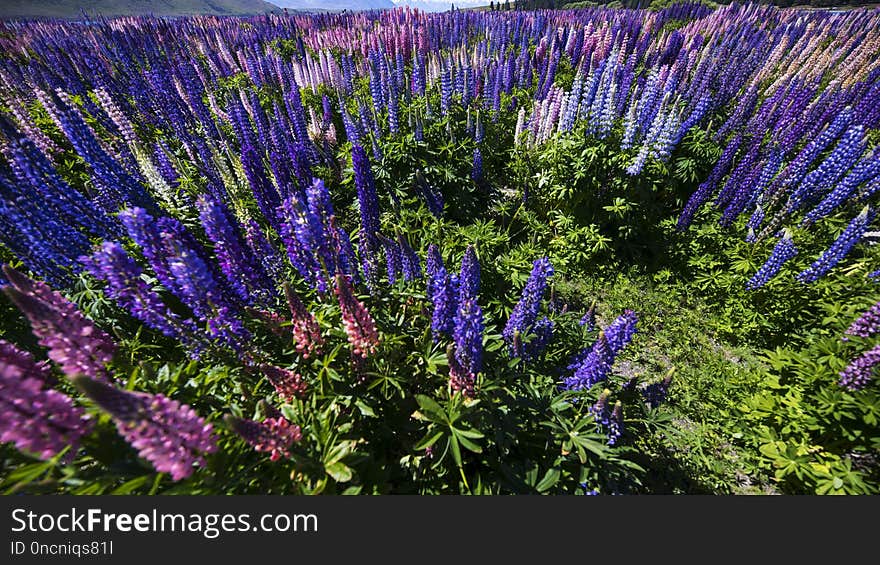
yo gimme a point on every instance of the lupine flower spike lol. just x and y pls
(168, 434)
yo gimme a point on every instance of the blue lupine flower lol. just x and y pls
(839, 249)
(524, 314)
(477, 169)
(469, 280)
(782, 252)
(468, 336)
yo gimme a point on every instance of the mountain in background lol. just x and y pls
(74, 8)
(334, 5)
(441, 5)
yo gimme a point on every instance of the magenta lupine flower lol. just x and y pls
(460, 378)
(359, 324)
(859, 372)
(168, 434)
(74, 342)
(867, 324)
(306, 331)
(288, 384)
(273, 435)
(34, 417)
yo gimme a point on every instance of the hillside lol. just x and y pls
(73, 9)
(333, 5)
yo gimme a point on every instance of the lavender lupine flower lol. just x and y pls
(306, 331)
(359, 324)
(112, 265)
(867, 324)
(289, 384)
(74, 342)
(782, 252)
(839, 249)
(165, 432)
(273, 435)
(860, 371)
(34, 417)
(524, 314)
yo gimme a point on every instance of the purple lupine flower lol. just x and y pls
(620, 332)
(705, 190)
(412, 267)
(393, 258)
(468, 335)
(273, 435)
(860, 371)
(839, 249)
(74, 342)
(33, 416)
(368, 203)
(782, 252)
(242, 268)
(259, 245)
(867, 324)
(600, 410)
(524, 314)
(443, 294)
(615, 423)
(165, 432)
(589, 318)
(477, 168)
(655, 393)
(864, 171)
(112, 265)
(593, 367)
(469, 280)
(543, 330)
(299, 241)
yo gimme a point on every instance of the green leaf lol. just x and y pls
(431, 410)
(365, 408)
(456, 450)
(428, 441)
(468, 444)
(339, 471)
(551, 477)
